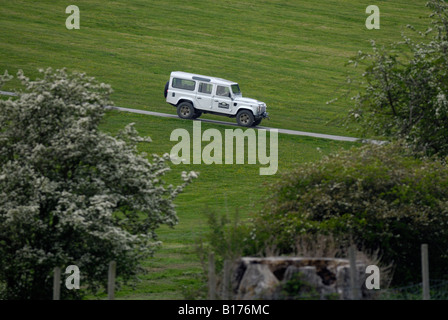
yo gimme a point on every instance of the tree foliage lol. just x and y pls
(380, 197)
(71, 194)
(404, 87)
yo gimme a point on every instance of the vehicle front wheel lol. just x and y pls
(256, 122)
(185, 110)
(245, 118)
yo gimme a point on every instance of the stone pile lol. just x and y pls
(264, 278)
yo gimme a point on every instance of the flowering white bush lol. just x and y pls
(403, 88)
(70, 194)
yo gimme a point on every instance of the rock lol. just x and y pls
(343, 283)
(308, 274)
(310, 277)
(322, 278)
(258, 282)
(291, 271)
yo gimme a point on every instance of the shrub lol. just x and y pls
(70, 194)
(403, 87)
(380, 197)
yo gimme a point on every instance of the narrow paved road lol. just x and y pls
(284, 131)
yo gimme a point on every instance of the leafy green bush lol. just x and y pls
(377, 196)
(228, 239)
(298, 289)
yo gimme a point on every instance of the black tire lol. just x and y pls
(185, 110)
(245, 118)
(165, 93)
(256, 122)
(197, 114)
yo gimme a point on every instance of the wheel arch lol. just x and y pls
(185, 100)
(244, 108)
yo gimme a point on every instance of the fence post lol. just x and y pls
(57, 283)
(111, 280)
(211, 277)
(425, 272)
(354, 286)
(226, 281)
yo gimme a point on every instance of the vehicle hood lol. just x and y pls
(247, 100)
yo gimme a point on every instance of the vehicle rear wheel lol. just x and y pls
(245, 118)
(185, 110)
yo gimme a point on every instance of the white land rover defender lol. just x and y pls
(193, 95)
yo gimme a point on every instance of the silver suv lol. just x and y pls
(193, 95)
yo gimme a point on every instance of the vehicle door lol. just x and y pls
(204, 96)
(222, 101)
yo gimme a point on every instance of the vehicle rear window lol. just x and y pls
(205, 88)
(184, 84)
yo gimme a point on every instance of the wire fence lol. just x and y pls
(299, 289)
(438, 291)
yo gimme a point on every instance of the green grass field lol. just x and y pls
(290, 54)
(221, 188)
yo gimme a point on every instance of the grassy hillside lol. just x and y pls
(221, 188)
(290, 54)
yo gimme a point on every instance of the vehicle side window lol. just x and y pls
(184, 84)
(205, 88)
(223, 91)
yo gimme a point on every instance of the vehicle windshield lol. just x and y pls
(236, 89)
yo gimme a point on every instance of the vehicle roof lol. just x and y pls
(192, 76)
